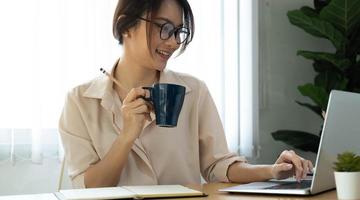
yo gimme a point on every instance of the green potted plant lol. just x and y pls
(347, 175)
(337, 21)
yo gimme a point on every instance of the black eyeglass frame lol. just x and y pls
(174, 31)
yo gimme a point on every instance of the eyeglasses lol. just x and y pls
(167, 29)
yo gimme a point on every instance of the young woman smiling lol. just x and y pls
(108, 132)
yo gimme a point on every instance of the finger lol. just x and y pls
(151, 106)
(136, 103)
(306, 168)
(283, 170)
(311, 166)
(148, 117)
(147, 93)
(296, 160)
(134, 94)
(284, 167)
(141, 109)
(285, 156)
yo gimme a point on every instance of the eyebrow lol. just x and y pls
(169, 21)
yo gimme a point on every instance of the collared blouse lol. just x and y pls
(91, 121)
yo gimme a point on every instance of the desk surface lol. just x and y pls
(210, 189)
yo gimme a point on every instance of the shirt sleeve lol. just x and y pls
(78, 146)
(215, 157)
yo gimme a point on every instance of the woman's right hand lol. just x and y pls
(135, 110)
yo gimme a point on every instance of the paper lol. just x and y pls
(163, 191)
(126, 192)
(97, 193)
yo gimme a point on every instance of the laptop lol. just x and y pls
(341, 132)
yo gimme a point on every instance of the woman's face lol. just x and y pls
(160, 50)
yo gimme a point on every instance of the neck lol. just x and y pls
(132, 75)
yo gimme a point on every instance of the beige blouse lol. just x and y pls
(91, 120)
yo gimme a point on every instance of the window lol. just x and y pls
(51, 46)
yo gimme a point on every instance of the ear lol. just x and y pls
(126, 34)
(121, 16)
(129, 32)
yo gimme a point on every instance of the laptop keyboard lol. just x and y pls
(292, 185)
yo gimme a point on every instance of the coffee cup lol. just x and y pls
(167, 100)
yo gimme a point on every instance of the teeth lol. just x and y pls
(163, 52)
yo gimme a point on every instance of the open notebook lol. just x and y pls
(129, 192)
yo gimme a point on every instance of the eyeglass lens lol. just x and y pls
(167, 30)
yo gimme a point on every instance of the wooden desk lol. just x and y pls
(212, 190)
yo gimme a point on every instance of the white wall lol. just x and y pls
(281, 71)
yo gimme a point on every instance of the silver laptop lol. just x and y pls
(341, 132)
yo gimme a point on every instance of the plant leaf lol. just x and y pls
(320, 4)
(334, 59)
(354, 77)
(347, 162)
(331, 80)
(317, 94)
(317, 27)
(315, 109)
(354, 43)
(309, 11)
(344, 14)
(321, 66)
(298, 139)
(341, 84)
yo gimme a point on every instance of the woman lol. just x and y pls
(108, 131)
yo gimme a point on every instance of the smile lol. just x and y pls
(163, 53)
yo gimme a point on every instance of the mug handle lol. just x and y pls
(150, 90)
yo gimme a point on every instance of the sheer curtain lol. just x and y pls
(50, 46)
(249, 79)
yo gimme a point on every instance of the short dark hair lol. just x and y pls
(131, 10)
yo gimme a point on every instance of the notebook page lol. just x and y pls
(97, 193)
(150, 191)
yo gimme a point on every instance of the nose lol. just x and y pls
(171, 42)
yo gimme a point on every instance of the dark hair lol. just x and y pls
(127, 15)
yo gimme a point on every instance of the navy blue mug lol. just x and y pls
(167, 100)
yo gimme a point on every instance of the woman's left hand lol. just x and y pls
(290, 164)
